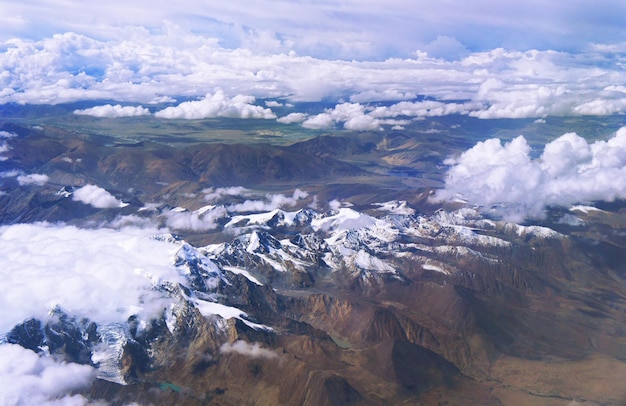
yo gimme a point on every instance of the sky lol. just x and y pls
(225, 59)
(346, 29)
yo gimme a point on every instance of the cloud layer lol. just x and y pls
(348, 29)
(154, 67)
(105, 275)
(506, 180)
(28, 379)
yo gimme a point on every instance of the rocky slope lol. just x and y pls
(347, 307)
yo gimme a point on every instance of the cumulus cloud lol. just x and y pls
(601, 107)
(199, 220)
(33, 179)
(352, 115)
(4, 147)
(97, 197)
(105, 275)
(358, 117)
(111, 111)
(293, 118)
(28, 379)
(131, 220)
(395, 207)
(507, 181)
(427, 108)
(217, 105)
(362, 123)
(252, 350)
(319, 121)
(10, 174)
(271, 202)
(7, 134)
(215, 194)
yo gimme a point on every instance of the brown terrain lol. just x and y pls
(540, 321)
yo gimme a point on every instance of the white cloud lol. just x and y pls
(97, 197)
(508, 181)
(600, 107)
(346, 29)
(362, 123)
(395, 207)
(355, 116)
(201, 220)
(33, 179)
(28, 379)
(445, 47)
(132, 220)
(217, 105)
(215, 194)
(319, 121)
(10, 174)
(427, 108)
(293, 118)
(7, 134)
(252, 350)
(334, 204)
(115, 111)
(103, 274)
(382, 95)
(352, 115)
(271, 202)
(143, 66)
(273, 103)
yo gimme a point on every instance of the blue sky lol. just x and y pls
(348, 29)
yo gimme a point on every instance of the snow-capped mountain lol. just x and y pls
(332, 295)
(285, 249)
(304, 245)
(116, 349)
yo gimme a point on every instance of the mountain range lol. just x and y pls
(355, 289)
